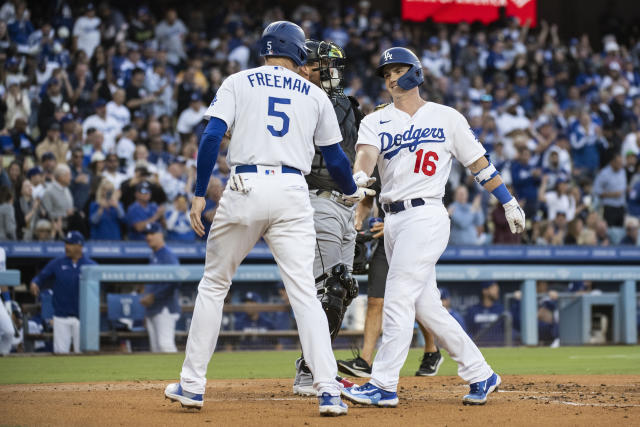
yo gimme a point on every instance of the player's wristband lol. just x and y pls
(6, 296)
(502, 194)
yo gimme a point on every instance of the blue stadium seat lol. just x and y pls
(46, 305)
(125, 310)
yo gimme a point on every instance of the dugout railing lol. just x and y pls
(92, 277)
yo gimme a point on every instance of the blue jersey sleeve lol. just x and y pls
(339, 167)
(47, 273)
(208, 153)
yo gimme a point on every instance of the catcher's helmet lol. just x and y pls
(400, 55)
(284, 38)
(331, 62)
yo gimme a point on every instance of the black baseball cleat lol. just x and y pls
(357, 367)
(430, 364)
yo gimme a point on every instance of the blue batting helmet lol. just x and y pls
(400, 55)
(284, 38)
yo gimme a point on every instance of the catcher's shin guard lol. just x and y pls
(340, 288)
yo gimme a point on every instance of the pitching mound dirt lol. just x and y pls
(522, 400)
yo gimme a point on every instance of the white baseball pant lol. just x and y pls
(65, 331)
(277, 208)
(414, 240)
(6, 330)
(162, 331)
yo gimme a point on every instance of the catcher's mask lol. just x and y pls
(331, 60)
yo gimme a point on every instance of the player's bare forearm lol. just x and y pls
(366, 158)
(362, 210)
(480, 164)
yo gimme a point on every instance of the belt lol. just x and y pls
(254, 169)
(399, 206)
(333, 195)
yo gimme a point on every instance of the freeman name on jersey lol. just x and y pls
(283, 82)
(411, 138)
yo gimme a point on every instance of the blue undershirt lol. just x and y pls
(208, 153)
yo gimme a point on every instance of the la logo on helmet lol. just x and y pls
(387, 56)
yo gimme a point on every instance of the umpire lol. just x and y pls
(333, 217)
(64, 271)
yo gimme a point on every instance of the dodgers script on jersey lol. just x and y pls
(279, 116)
(416, 152)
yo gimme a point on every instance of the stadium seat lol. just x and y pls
(46, 305)
(125, 310)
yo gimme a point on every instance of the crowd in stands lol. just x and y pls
(102, 110)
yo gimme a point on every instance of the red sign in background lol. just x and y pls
(452, 11)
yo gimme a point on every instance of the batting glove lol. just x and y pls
(362, 180)
(360, 194)
(514, 215)
(237, 184)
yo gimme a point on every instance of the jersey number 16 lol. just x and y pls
(425, 164)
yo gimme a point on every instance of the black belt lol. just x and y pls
(254, 169)
(396, 207)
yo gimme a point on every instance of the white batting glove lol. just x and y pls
(237, 184)
(362, 180)
(360, 194)
(515, 216)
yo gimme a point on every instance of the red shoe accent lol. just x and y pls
(345, 382)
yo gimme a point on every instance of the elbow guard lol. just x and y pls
(486, 174)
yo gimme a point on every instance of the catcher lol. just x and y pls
(334, 216)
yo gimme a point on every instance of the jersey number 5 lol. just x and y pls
(280, 114)
(425, 164)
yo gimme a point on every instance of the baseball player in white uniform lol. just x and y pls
(413, 143)
(7, 331)
(275, 116)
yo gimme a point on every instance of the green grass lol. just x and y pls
(271, 364)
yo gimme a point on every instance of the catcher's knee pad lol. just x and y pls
(340, 288)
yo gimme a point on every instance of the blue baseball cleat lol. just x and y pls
(368, 394)
(175, 393)
(479, 391)
(331, 406)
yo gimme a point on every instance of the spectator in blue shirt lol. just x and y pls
(142, 212)
(161, 299)
(525, 180)
(634, 196)
(586, 144)
(106, 213)
(486, 314)
(465, 218)
(64, 272)
(21, 28)
(178, 222)
(631, 225)
(611, 186)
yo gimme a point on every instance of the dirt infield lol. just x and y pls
(530, 400)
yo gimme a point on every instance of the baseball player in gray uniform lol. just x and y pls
(333, 214)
